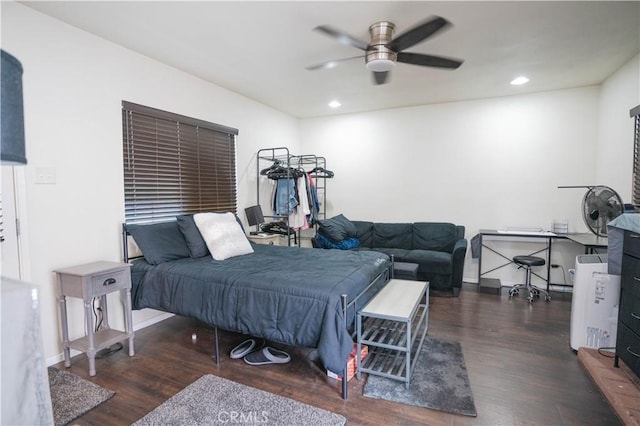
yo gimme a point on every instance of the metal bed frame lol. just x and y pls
(345, 304)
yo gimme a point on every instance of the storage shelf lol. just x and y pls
(387, 341)
(102, 339)
(394, 342)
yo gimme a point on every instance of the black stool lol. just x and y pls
(527, 262)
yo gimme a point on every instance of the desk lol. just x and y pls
(589, 241)
(491, 283)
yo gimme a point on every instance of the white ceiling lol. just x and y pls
(261, 49)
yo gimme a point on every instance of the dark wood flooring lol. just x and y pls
(521, 368)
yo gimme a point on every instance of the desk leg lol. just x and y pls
(62, 301)
(91, 350)
(480, 261)
(549, 263)
(129, 322)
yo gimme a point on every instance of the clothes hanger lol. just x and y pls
(276, 164)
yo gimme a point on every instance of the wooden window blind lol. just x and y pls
(635, 187)
(175, 165)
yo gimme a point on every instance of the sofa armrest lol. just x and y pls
(458, 255)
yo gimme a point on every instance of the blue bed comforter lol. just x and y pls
(289, 295)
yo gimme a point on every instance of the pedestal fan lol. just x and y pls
(600, 206)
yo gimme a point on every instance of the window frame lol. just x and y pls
(175, 164)
(635, 184)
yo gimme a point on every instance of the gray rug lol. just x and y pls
(439, 381)
(214, 400)
(72, 396)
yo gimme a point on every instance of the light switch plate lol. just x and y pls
(46, 175)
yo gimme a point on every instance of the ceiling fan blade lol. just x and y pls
(417, 34)
(380, 77)
(428, 60)
(331, 64)
(342, 37)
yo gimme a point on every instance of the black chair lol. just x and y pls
(254, 217)
(527, 262)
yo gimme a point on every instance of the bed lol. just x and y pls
(291, 295)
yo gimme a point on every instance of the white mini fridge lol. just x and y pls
(594, 304)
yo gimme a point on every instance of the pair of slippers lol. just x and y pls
(255, 354)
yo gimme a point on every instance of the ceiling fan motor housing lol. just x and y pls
(379, 57)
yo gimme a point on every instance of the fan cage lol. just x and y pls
(600, 205)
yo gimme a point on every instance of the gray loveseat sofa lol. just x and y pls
(438, 248)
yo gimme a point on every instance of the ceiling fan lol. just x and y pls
(383, 51)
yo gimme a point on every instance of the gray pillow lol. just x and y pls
(159, 242)
(195, 243)
(338, 228)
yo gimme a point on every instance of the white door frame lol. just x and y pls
(16, 205)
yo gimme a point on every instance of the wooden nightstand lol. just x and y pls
(270, 239)
(87, 282)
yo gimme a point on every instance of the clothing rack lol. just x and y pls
(278, 163)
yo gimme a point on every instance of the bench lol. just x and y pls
(393, 324)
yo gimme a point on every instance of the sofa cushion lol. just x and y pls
(434, 236)
(364, 232)
(338, 228)
(392, 235)
(431, 262)
(399, 255)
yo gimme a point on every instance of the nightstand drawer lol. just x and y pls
(112, 281)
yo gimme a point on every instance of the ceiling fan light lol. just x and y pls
(380, 65)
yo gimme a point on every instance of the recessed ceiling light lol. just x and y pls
(334, 104)
(519, 81)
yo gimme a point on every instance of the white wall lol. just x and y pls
(491, 163)
(73, 84)
(620, 93)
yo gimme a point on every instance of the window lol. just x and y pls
(635, 187)
(175, 165)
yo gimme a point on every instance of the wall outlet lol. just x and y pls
(45, 175)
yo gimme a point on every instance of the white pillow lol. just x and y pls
(222, 234)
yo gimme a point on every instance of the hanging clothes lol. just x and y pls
(314, 202)
(298, 218)
(285, 197)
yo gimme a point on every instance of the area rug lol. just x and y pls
(72, 396)
(439, 381)
(214, 400)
